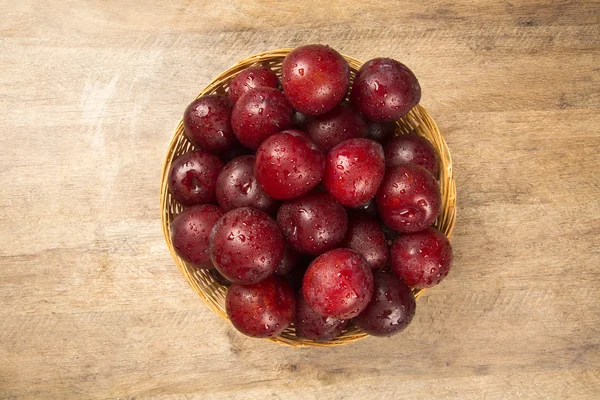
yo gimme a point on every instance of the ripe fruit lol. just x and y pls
(190, 231)
(338, 284)
(262, 309)
(251, 78)
(390, 310)
(288, 164)
(193, 177)
(408, 198)
(315, 78)
(313, 223)
(385, 90)
(207, 123)
(237, 187)
(312, 325)
(421, 259)
(335, 126)
(258, 114)
(366, 237)
(246, 245)
(415, 149)
(354, 171)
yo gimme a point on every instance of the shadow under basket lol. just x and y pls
(210, 291)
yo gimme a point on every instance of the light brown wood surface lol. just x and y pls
(92, 306)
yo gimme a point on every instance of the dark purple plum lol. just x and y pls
(390, 310)
(338, 284)
(412, 148)
(313, 223)
(366, 237)
(260, 113)
(262, 309)
(190, 231)
(251, 78)
(237, 187)
(315, 78)
(193, 177)
(409, 198)
(422, 259)
(354, 171)
(289, 164)
(341, 123)
(207, 124)
(246, 245)
(312, 325)
(385, 90)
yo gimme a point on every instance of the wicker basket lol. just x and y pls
(211, 292)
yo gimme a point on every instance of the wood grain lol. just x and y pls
(92, 304)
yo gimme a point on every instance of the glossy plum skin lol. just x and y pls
(385, 90)
(422, 259)
(312, 325)
(193, 177)
(313, 223)
(366, 237)
(207, 123)
(353, 171)
(251, 78)
(246, 246)
(262, 309)
(335, 126)
(391, 309)
(315, 78)
(289, 164)
(381, 131)
(338, 284)
(237, 187)
(288, 262)
(260, 113)
(190, 231)
(415, 149)
(409, 198)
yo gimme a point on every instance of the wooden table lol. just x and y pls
(92, 303)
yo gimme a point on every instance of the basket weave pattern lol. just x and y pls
(212, 293)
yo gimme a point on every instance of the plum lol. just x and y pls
(315, 78)
(193, 177)
(409, 198)
(207, 124)
(261, 309)
(338, 284)
(353, 171)
(391, 308)
(421, 259)
(313, 223)
(246, 245)
(385, 90)
(190, 231)
(289, 164)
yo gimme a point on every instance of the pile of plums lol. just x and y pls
(306, 205)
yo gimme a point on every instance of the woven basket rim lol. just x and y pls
(418, 115)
